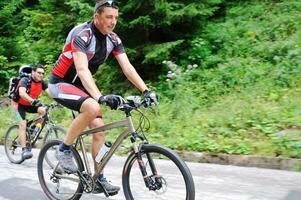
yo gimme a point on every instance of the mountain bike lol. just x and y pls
(34, 129)
(151, 171)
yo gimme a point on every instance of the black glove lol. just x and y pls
(36, 103)
(150, 98)
(113, 101)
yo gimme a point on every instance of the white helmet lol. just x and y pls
(25, 70)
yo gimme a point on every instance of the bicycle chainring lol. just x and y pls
(88, 183)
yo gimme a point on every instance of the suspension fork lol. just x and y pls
(149, 183)
(152, 164)
(138, 155)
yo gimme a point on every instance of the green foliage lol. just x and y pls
(34, 31)
(200, 50)
(159, 30)
(227, 72)
(157, 53)
(81, 11)
(246, 89)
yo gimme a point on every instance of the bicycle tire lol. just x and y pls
(12, 146)
(180, 165)
(45, 182)
(54, 132)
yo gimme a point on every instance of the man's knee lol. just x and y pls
(22, 124)
(90, 107)
(96, 122)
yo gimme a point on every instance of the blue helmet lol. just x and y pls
(25, 70)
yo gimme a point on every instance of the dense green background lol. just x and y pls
(227, 72)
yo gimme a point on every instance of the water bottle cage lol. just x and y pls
(34, 129)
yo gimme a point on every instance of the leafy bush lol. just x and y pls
(230, 81)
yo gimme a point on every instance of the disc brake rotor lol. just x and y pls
(163, 185)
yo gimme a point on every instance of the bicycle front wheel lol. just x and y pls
(55, 183)
(167, 174)
(12, 145)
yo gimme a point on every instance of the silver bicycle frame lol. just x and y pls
(127, 122)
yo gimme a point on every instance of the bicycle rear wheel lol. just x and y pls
(12, 145)
(52, 133)
(55, 183)
(169, 175)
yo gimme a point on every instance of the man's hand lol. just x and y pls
(36, 103)
(150, 98)
(113, 101)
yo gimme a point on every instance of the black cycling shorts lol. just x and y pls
(70, 96)
(21, 110)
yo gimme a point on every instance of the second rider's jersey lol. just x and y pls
(88, 39)
(35, 89)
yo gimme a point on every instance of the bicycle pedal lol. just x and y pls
(98, 190)
(113, 193)
(60, 170)
(69, 172)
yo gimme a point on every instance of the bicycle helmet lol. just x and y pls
(25, 70)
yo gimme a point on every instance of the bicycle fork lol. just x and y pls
(150, 183)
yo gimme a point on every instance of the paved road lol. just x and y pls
(213, 182)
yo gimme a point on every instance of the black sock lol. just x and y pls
(64, 147)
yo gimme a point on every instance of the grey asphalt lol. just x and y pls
(212, 182)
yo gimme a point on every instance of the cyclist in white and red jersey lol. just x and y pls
(71, 84)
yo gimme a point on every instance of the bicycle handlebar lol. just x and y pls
(133, 102)
(48, 107)
(53, 105)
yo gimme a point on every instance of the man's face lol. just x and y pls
(106, 20)
(38, 75)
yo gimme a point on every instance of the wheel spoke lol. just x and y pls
(55, 182)
(12, 146)
(53, 133)
(169, 179)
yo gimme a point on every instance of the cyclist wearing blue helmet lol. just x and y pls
(71, 84)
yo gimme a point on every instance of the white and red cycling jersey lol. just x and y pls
(64, 84)
(88, 39)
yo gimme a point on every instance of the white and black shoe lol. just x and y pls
(66, 161)
(26, 154)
